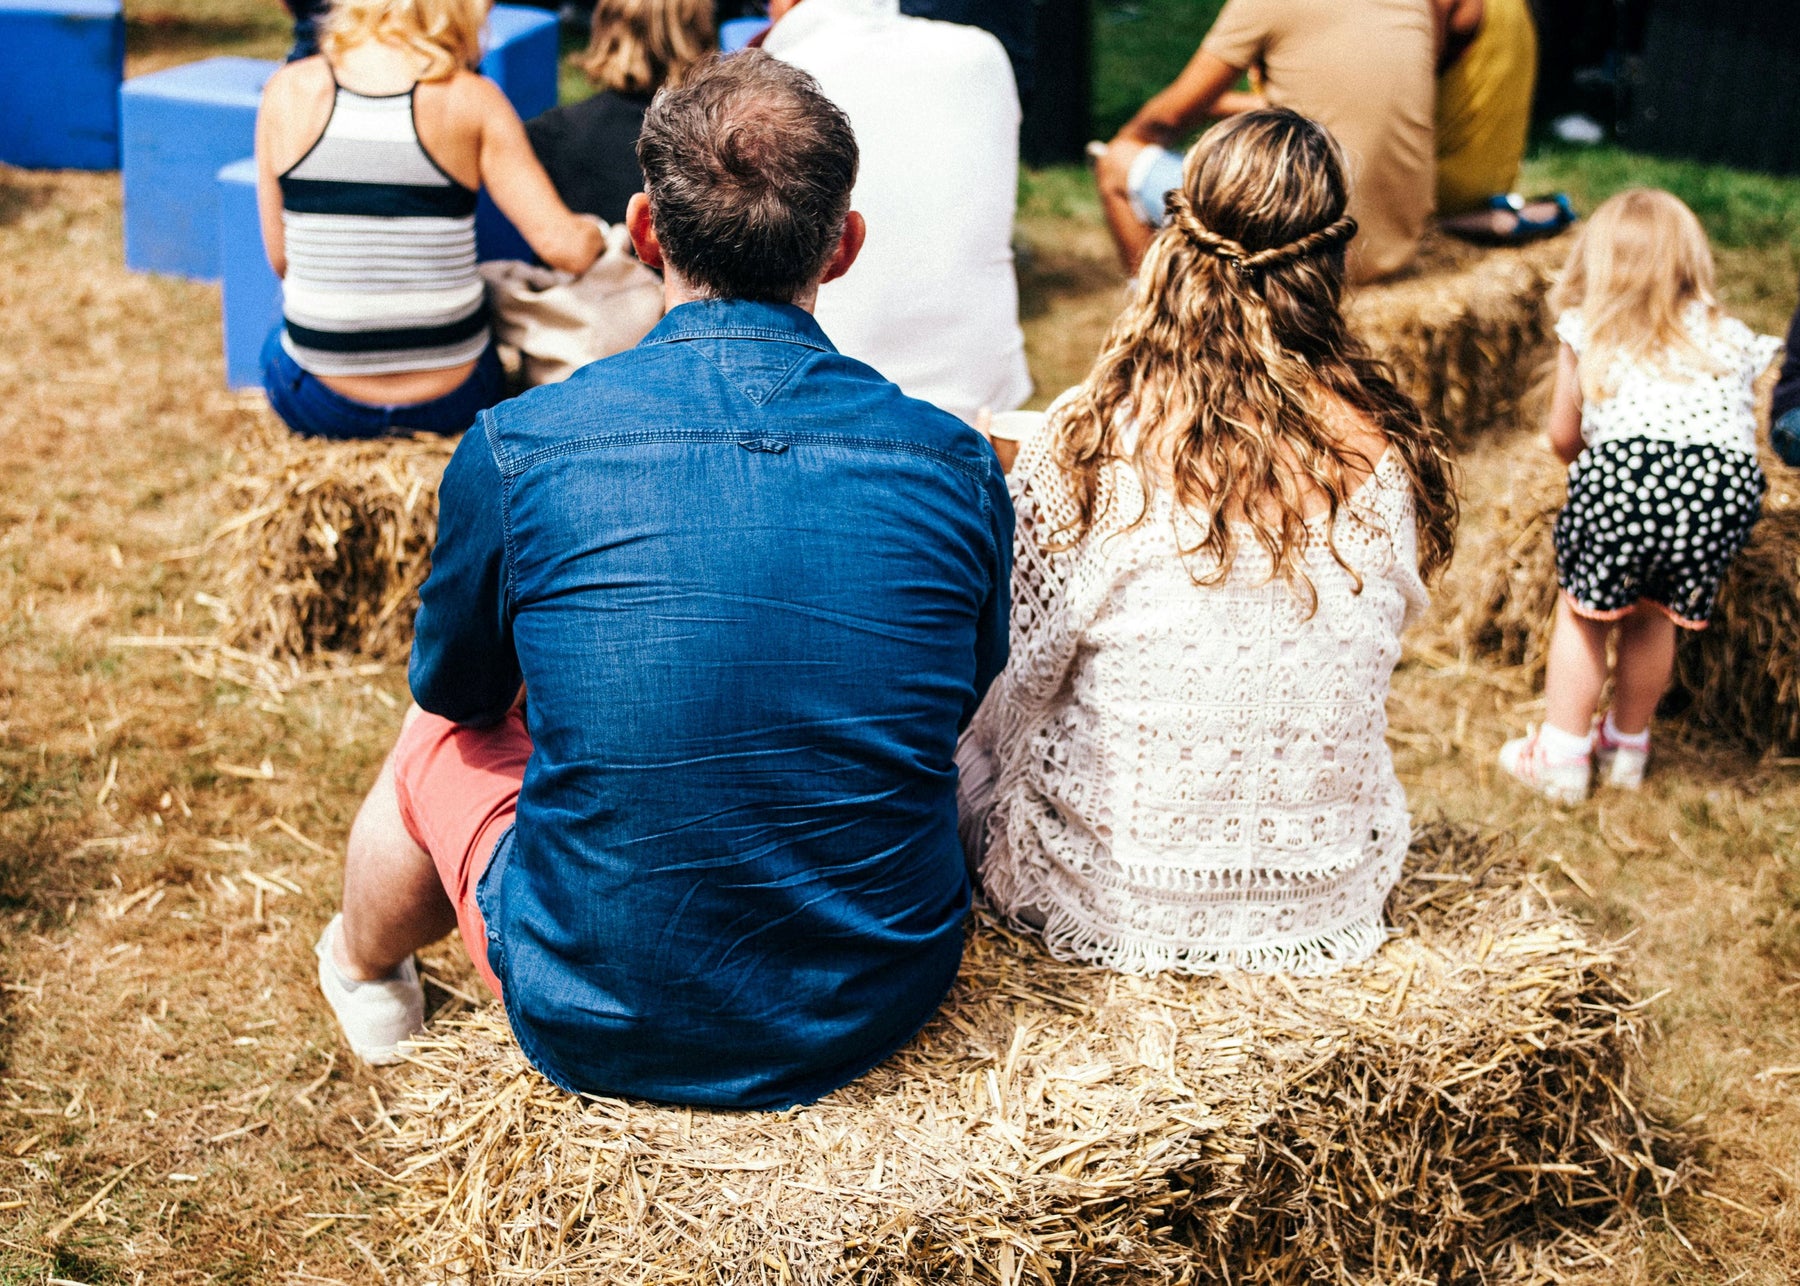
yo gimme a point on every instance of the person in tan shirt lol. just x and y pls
(1364, 69)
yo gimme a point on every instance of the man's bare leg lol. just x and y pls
(394, 902)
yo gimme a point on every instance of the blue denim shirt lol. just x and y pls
(754, 592)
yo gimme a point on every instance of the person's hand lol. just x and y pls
(1112, 170)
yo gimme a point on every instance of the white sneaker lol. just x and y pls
(1561, 781)
(376, 1015)
(1617, 765)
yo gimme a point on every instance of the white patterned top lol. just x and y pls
(1197, 777)
(1680, 402)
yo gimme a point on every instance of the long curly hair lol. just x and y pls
(1220, 377)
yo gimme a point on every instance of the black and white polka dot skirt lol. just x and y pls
(1657, 521)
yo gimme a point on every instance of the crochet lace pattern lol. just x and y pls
(1196, 777)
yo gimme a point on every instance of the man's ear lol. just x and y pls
(643, 235)
(850, 244)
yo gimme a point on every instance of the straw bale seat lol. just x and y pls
(1739, 679)
(1462, 1108)
(327, 547)
(331, 540)
(1464, 328)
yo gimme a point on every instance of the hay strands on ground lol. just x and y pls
(1463, 1107)
(328, 548)
(1464, 330)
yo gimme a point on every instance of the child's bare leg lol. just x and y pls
(1575, 670)
(1646, 660)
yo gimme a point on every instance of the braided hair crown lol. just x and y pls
(1250, 262)
(1261, 191)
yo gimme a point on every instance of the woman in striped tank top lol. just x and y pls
(369, 157)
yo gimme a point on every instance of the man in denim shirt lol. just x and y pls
(753, 592)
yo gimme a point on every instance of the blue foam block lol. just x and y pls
(252, 292)
(737, 33)
(521, 56)
(180, 127)
(61, 62)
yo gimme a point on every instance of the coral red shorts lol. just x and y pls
(459, 790)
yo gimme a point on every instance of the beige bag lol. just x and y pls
(561, 323)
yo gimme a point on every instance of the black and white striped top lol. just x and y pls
(380, 249)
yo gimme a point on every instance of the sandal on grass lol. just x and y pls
(1512, 220)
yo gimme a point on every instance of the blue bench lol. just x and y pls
(252, 294)
(737, 33)
(61, 62)
(521, 57)
(179, 127)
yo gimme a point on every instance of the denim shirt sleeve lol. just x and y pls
(996, 609)
(463, 665)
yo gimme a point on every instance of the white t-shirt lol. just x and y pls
(1680, 401)
(932, 303)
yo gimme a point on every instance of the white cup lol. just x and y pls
(1015, 426)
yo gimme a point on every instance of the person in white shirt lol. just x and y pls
(933, 304)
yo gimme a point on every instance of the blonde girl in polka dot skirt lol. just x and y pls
(1653, 410)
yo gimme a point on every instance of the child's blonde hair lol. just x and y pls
(638, 46)
(1636, 266)
(446, 33)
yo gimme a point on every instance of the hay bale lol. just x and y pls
(1739, 679)
(327, 547)
(1443, 1112)
(1465, 329)
(1497, 598)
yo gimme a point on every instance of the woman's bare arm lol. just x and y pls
(268, 187)
(513, 177)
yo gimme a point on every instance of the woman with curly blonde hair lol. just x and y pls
(636, 47)
(369, 156)
(1221, 535)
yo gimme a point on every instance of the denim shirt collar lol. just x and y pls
(739, 319)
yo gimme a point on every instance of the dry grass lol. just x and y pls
(169, 1075)
(1462, 1107)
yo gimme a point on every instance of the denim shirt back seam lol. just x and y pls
(737, 332)
(491, 431)
(512, 467)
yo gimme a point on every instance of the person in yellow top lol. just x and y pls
(1487, 69)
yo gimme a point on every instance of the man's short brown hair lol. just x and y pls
(748, 167)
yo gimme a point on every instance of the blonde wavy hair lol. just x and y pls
(445, 33)
(1233, 354)
(638, 46)
(1640, 260)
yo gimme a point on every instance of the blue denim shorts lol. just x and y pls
(1155, 173)
(314, 411)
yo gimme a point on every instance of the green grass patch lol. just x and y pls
(1739, 208)
(1139, 46)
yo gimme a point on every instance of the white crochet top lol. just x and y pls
(1197, 777)
(1680, 401)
